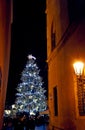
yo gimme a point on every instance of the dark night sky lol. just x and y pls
(28, 37)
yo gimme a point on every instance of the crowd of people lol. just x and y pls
(23, 122)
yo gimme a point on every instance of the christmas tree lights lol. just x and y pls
(30, 96)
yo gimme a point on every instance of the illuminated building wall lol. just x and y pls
(65, 44)
(5, 40)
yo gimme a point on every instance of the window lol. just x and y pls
(53, 38)
(55, 101)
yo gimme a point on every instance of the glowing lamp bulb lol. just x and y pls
(78, 68)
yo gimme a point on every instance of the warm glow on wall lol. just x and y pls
(80, 78)
(78, 67)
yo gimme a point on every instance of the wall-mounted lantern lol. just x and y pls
(78, 67)
(80, 78)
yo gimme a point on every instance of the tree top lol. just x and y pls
(31, 57)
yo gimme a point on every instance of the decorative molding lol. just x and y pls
(69, 31)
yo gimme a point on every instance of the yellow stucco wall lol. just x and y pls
(60, 67)
(5, 42)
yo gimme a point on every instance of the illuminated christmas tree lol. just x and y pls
(30, 96)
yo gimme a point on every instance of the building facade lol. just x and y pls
(65, 45)
(5, 42)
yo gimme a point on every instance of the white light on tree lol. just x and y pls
(7, 112)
